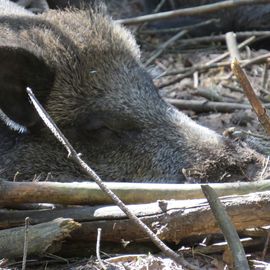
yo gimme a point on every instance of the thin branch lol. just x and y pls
(228, 229)
(98, 250)
(206, 106)
(199, 10)
(266, 245)
(72, 154)
(254, 101)
(25, 245)
(165, 45)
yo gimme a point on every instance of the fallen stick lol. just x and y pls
(163, 46)
(88, 193)
(199, 10)
(221, 247)
(206, 106)
(228, 229)
(39, 240)
(256, 104)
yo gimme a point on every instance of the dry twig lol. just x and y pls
(98, 250)
(254, 101)
(206, 106)
(25, 246)
(229, 231)
(165, 45)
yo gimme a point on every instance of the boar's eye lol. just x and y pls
(122, 125)
(95, 121)
(101, 129)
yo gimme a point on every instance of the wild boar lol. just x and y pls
(85, 69)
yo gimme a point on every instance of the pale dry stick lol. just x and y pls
(256, 60)
(266, 163)
(228, 229)
(25, 246)
(232, 45)
(265, 75)
(199, 10)
(98, 250)
(266, 245)
(72, 154)
(165, 45)
(253, 99)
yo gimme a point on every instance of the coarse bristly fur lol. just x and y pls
(86, 71)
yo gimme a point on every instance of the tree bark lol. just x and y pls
(171, 220)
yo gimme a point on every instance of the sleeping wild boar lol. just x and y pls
(85, 69)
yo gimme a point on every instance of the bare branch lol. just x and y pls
(253, 99)
(228, 229)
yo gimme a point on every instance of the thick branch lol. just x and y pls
(12, 193)
(40, 237)
(175, 220)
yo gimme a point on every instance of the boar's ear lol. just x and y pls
(19, 69)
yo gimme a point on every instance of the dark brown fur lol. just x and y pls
(86, 71)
